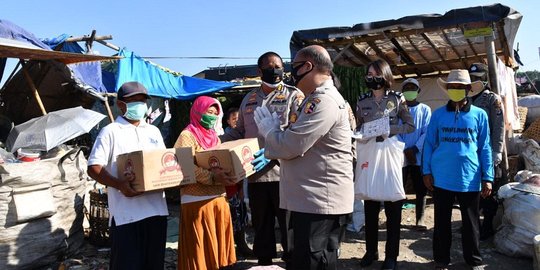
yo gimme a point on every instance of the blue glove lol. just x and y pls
(259, 160)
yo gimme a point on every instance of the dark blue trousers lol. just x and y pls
(139, 245)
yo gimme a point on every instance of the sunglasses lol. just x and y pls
(298, 64)
(374, 78)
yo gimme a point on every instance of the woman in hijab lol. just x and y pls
(206, 232)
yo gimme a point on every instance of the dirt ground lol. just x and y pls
(416, 247)
(415, 250)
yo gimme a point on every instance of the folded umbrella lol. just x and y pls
(48, 131)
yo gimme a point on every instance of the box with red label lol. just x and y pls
(158, 169)
(235, 156)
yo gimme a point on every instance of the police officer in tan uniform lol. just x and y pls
(316, 162)
(381, 101)
(263, 186)
(491, 104)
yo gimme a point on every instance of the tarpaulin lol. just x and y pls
(161, 83)
(85, 73)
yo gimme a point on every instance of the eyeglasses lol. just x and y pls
(376, 78)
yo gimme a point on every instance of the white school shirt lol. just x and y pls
(122, 137)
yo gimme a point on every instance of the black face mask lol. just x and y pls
(375, 83)
(294, 73)
(272, 75)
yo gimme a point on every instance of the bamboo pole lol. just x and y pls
(108, 44)
(109, 112)
(33, 87)
(84, 38)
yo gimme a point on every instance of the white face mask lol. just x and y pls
(275, 85)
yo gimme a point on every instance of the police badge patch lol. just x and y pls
(293, 117)
(309, 108)
(390, 105)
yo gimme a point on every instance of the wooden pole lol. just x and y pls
(89, 41)
(85, 38)
(492, 64)
(109, 112)
(108, 44)
(494, 84)
(33, 87)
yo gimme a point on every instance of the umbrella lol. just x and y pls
(48, 131)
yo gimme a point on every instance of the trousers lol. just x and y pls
(393, 227)
(315, 240)
(470, 233)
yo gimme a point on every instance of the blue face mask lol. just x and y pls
(135, 110)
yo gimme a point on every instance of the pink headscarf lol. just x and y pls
(207, 138)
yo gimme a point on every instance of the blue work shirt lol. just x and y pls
(421, 113)
(457, 150)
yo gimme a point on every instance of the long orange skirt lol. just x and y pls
(206, 235)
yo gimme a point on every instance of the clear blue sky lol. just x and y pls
(231, 28)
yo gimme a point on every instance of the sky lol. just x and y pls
(242, 29)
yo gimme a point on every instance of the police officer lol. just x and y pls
(491, 103)
(263, 186)
(316, 162)
(381, 101)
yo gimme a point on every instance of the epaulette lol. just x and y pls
(364, 96)
(395, 93)
(290, 87)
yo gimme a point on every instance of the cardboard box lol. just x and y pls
(158, 169)
(235, 156)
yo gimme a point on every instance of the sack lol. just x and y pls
(26, 198)
(39, 241)
(520, 222)
(532, 103)
(531, 155)
(378, 170)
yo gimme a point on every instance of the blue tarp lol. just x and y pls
(88, 73)
(131, 68)
(9, 30)
(161, 83)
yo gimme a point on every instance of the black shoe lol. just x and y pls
(244, 251)
(389, 264)
(368, 259)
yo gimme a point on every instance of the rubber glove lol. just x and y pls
(266, 121)
(259, 160)
(497, 158)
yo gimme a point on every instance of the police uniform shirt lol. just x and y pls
(393, 103)
(315, 155)
(491, 104)
(283, 100)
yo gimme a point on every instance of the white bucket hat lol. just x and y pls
(461, 76)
